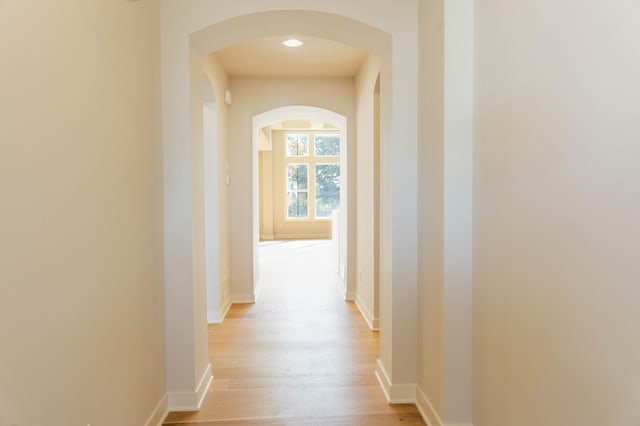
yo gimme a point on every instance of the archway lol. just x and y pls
(298, 112)
(200, 29)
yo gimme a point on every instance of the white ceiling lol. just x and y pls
(267, 57)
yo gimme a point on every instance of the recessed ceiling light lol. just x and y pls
(292, 42)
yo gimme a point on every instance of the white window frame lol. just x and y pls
(310, 160)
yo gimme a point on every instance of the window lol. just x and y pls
(312, 163)
(327, 189)
(297, 191)
(326, 145)
(297, 145)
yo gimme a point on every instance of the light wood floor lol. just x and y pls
(299, 356)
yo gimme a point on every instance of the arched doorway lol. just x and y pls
(300, 112)
(194, 33)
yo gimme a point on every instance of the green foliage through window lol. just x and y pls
(327, 145)
(327, 189)
(297, 187)
(297, 145)
(297, 205)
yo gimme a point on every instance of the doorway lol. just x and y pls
(207, 32)
(298, 152)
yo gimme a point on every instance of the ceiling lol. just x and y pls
(267, 57)
(301, 125)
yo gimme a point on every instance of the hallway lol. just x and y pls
(299, 356)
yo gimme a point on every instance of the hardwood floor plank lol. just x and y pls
(359, 420)
(299, 356)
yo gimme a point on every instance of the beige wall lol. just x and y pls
(366, 196)
(431, 207)
(446, 108)
(555, 209)
(198, 193)
(81, 294)
(253, 96)
(265, 166)
(556, 201)
(216, 190)
(458, 184)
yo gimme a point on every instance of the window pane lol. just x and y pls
(327, 145)
(297, 205)
(297, 176)
(327, 189)
(297, 145)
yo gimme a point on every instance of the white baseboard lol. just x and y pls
(256, 291)
(396, 394)
(191, 401)
(374, 323)
(341, 288)
(248, 297)
(383, 379)
(429, 413)
(159, 413)
(216, 317)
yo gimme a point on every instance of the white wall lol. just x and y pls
(253, 96)
(81, 293)
(556, 201)
(458, 148)
(265, 167)
(431, 208)
(211, 208)
(366, 173)
(216, 160)
(446, 108)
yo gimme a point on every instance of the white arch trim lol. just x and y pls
(299, 112)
